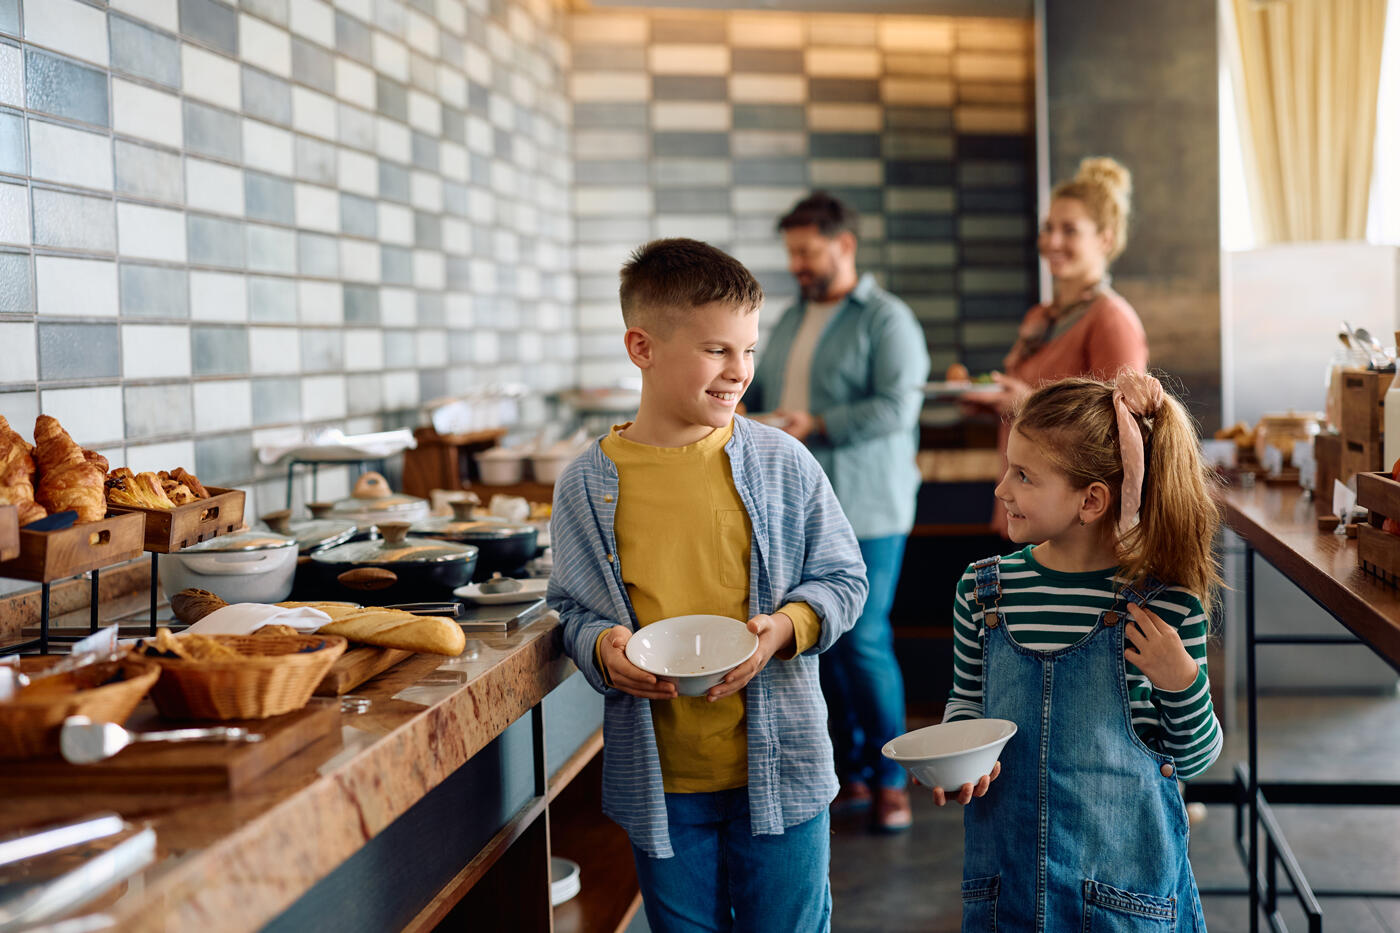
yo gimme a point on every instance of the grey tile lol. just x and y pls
(769, 117)
(611, 172)
(389, 16)
(609, 58)
(461, 347)
(612, 229)
(613, 116)
(481, 170)
(144, 52)
(396, 265)
(455, 198)
(154, 291)
(224, 460)
(929, 119)
(214, 132)
(266, 97)
(454, 125)
(275, 10)
(64, 88)
(12, 144)
(431, 312)
(920, 227)
(356, 127)
(780, 61)
(985, 307)
(770, 171)
(9, 16)
(692, 201)
(926, 173)
(400, 349)
(689, 87)
(211, 22)
(271, 249)
(427, 230)
(276, 401)
(845, 145)
(361, 304)
(322, 350)
(452, 50)
(364, 394)
(214, 241)
(1007, 200)
(432, 383)
(422, 72)
(425, 151)
(864, 200)
(392, 97)
(458, 273)
(219, 351)
(318, 254)
(478, 98)
(930, 281)
(73, 221)
(267, 197)
(155, 411)
(16, 289)
(844, 90)
(315, 160)
(149, 173)
(79, 351)
(688, 29)
(313, 65)
(272, 299)
(358, 216)
(352, 38)
(690, 145)
(394, 181)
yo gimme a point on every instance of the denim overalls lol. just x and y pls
(1085, 829)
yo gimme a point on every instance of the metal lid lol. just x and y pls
(243, 541)
(310, 533)
(396, 548)
(475, 529)
(373, 496)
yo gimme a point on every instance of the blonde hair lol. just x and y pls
(1105, 188)
(1074, 422)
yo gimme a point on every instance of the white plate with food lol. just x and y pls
(530, 590)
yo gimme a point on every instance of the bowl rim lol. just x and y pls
(693, 615)
(894, 756)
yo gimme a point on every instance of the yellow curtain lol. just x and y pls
(1307, 73)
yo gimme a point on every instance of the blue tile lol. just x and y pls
(461, 347)
(144, 52)
(224, 460)
(66, 89)
(425, 151)
(769, 117)
(352, 38)
(9, 17)
(991, 307)
(313, 66)
(432, 383)
(272, 300)
(79, 351)
(392, 98)
(364, 394)
(269, 198)
(271, 249)
(219, 351)
(154, 291)
(845, 145)
(214, 132)
(478, 98)
(318, 255)
(322, 350)
(454, 124)
(427, 230)
(276, 401)
(149, 173)
(400, 349)
(396, 265)
(458, 273)
(455, 198)
(689, 87)
(913, 280)
(274, 10)
(920, 227)
(864, 200)
(315, 160)
(690, 145)
(1009, 200)
(16, 289)
(266, 96)
(692, 201)
(779, 171)
(610, 172)
(613, 116)
(12, 144)
(214, 241)
(213, 23)
(158, 410)
(393, 181)
(928, 173)
(359, 216)
(361, 304)
(481, 170)
(431, 312)
(73, 221)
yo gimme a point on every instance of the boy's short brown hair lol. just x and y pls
(665, 279)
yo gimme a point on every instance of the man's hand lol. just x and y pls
(775, 634)
(626, 676)
(968, 791)
(1157, 651)
(800, 424)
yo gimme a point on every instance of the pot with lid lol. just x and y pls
(505, 546)
(244, 567)
(396, 568)
(311, 534)
(372, 502)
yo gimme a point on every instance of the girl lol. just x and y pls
(1093, 642)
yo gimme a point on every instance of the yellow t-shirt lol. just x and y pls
(683, 544)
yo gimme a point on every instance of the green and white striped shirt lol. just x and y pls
(1045, 610)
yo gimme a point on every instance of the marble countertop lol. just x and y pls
(234, 863)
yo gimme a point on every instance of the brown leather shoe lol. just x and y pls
(892, 811)
(854, 797)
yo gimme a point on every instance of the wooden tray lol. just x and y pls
(179, 768)
(1378, 551)
(172, 529)
(45, 556)
(356, 666)
(9, 532)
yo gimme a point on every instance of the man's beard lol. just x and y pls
(816, 288)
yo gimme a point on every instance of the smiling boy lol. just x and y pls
(688, 509)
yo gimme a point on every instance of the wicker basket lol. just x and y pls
(275, 675)
(29, 724)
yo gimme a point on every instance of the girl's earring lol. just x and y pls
(1082, 522)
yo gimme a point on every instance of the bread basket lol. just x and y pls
(276, 674)
(29, 723)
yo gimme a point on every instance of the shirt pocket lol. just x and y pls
(732, 546)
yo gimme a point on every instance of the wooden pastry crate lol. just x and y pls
(172, 529)
(45, 556)
(9, 532)
(1378, 551)
(1363, 421)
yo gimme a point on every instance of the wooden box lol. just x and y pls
(45, 556)
(9, 532)
(1363, 421)
(443, 461)
(172, 529)
(1378, 551)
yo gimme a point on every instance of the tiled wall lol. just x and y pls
(221, 224)
(713, 124)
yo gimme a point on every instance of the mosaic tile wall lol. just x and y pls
(220, 224)
(713, 124)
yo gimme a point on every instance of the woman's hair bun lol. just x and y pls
(1108, 173)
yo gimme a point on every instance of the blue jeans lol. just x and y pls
(724, 878)
(861, 679)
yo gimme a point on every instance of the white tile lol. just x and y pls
(19, 361)
(212, 186)
(841, 30)
(608, 28)
(690, 115)
(218, 296)
(144, 112)
(11, 76)
(1006, 120)
(210, 77)
(76, 287)
(152, 351)
(14, 214)
(354, 83)
(264, 45)
(359, 261)
(767, 89)
(400, 390)
(73, 157)
(453, 16)
(394, 140)
(924, 34)
(424, 113)
(430, 270)
(356, 127)
(395, 224)
(612, 200)
(155, 457)
(322, 398)
(317, 208)
(764, 200)
(711, 228)
(987, 66)
(223, 406)
(163, 13)
(431, 347)
(150, 232)
(320, 302)
(766, 31)
(364, 348)
(843, 63)
(847, 118)
(90, 415)
(459, 310)
(453, 161)
(479, 66)
(919, 92)
(313, 112)
(359, 173)
(480, 136)
(620, 86)
(612, 144)
(268, 148)
(397, 307)
(69, 27)
(687, 59)
(390, 56)
(422, 33)
(425, 192)
(452, 86)
(360, 9)
(274, 349)
(456, 236)
(767, 143)
(314, 20)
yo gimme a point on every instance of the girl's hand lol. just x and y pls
(775, 633)
(626, 676)
(1157, 651)
(968, 791)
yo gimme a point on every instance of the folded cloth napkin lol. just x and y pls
(246, 618)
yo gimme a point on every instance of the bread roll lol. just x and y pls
(391, 628)
(189, 606)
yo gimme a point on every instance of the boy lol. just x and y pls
(686, 510)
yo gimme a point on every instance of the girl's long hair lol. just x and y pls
(1074, 422)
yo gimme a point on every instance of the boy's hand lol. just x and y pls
(968, 791)
(626, 676)
(1157, 651)
(775, 634)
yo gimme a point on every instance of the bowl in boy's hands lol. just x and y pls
(951, 754)
(694, 652)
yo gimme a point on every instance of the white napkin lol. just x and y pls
(245, 618)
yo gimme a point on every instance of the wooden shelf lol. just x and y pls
(578, 830)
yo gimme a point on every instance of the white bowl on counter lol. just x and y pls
(246, 567)
(951, 754)
(694, 652)
(500, 466)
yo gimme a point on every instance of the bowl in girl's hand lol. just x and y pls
(951, 754)
(694, 652)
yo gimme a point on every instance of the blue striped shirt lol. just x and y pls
(803, 550)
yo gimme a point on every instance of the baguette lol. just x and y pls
(391, 628)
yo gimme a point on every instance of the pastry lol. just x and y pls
(176, 491)
(189, 606)
(17, 475)
(140, 490)
(190, 481)
(67, 479)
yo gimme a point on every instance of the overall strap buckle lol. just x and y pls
(1140, 593)
(988, 589)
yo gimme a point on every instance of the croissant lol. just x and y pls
(67, 479)
(16, 474)
(141, 490)
(189, 481)
(97, 460)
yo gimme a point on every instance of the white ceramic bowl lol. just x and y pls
(951, 754)
(693, 652)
